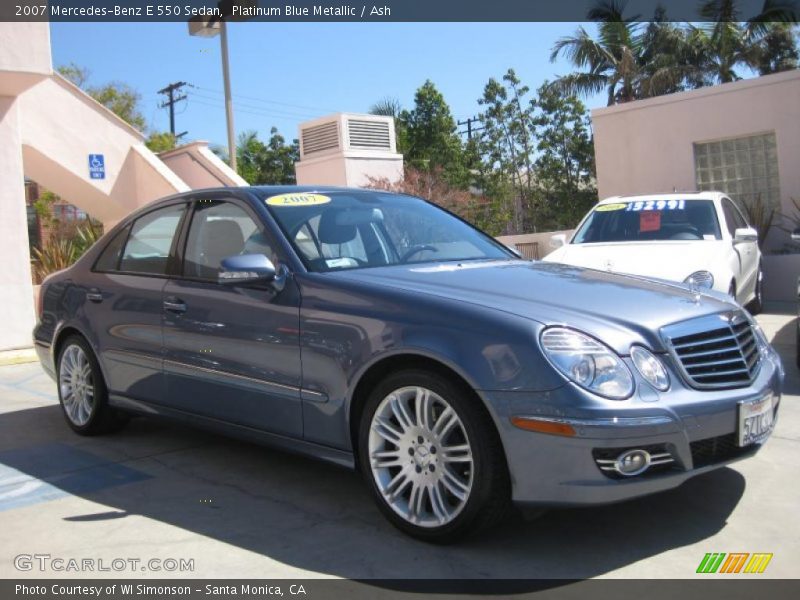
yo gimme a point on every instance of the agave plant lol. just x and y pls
(54, 255)
(761, 216)
(59, 253)
(85, 236)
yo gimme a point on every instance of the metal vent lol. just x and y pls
(374, 135)
(720, 351)
(320, 137)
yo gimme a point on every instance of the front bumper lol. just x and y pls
(696, 428)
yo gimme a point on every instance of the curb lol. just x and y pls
(18, 357)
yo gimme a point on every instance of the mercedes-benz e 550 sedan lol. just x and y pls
(380, 332)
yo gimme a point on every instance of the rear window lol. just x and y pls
(652, 220)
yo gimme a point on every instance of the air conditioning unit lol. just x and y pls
(346, 132)
(348, 149)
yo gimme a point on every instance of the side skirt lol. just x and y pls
(338, 457)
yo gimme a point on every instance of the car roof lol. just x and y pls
(669, 196)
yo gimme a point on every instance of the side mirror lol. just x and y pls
(558, 240)
(745, 234)
(246, 268)
(796, 235)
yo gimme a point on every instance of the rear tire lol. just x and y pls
(82, 390)
(797, 355)
(431, 457)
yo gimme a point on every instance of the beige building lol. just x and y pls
(742, 138)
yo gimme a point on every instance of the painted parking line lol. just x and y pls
(45, 472)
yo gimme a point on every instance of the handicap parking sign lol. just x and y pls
(97, 166)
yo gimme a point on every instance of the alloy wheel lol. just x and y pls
(76, 384)
(420, 456)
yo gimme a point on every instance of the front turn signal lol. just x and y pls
(543, 426)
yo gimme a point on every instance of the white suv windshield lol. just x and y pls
(651, 220)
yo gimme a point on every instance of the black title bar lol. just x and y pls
(382, 11)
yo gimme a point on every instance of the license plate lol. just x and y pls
(755, 421)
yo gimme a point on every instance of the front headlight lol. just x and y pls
(650, 368)
(588, 363)
(702, 280)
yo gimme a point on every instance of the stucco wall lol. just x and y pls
(647, 146)
(16, 289)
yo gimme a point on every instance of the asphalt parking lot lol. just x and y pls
(157, 490)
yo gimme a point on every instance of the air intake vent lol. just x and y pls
(715, 352)
(320, 138)
(374, 135)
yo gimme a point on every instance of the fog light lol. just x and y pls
(632, 462)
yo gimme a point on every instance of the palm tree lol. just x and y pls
(386, 107)
(618, 60)
(632, 61)
(725, 43)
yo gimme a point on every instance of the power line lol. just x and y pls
(265, 101)
(255, 107)
(170, 102)
(470, 129)
(194, 100)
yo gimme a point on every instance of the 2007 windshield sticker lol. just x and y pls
(655, 205)
(609, 207)
(298, 200)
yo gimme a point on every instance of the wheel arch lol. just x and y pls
(63, 332)
(376, 371)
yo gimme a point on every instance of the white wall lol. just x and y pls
(199, 167)
(16, 289)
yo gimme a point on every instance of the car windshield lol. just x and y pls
(356, 229)
(651, 220)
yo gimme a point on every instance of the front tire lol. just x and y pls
(757, 305)
(82, 390)
(432, 458)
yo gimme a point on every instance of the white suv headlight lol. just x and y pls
(588, 363)
(650, 368)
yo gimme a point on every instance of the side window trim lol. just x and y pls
(171, 255)
(125, 231)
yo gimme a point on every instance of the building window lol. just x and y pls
(744, 168)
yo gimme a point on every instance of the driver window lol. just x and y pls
(733, 219)
(730, 221)
(219, 230)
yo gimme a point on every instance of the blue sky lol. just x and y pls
(283, 74)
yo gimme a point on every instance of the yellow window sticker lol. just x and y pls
(298, 199)
(609, 207)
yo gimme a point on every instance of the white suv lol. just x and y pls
(699, 238)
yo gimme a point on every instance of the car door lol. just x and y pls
(232, 352)
(747, 252)
(124, 302)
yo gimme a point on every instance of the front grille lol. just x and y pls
(716, 352)
(718, 449)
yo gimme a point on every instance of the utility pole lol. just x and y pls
(226, 79)
(470, 128)
(170, 102)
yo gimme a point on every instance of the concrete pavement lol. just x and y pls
(157, 490)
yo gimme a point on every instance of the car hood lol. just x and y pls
(672, 260)
(607, 305)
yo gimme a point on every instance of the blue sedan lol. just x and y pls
(380, 332)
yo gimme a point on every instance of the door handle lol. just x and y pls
(175, 305)
(94, 295)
